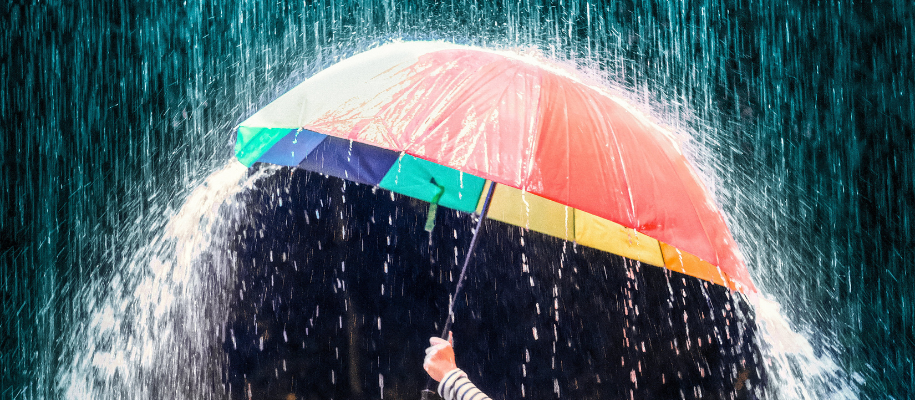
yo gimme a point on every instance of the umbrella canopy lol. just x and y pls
(436, 121)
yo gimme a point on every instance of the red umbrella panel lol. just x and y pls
(436, 121)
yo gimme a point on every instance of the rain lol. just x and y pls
(141, 260)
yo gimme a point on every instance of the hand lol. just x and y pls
(439, 357)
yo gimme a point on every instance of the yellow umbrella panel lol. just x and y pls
(516, 207)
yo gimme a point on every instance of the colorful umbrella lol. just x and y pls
(437, 121)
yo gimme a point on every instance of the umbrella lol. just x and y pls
(442, 123)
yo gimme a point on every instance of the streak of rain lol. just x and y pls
(139, 261)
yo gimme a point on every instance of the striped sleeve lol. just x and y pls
(456, 386)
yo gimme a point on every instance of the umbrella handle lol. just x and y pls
(429, 393)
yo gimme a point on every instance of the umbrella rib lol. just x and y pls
(693, 203)
(444, 101)
(536, 128)
(476, 143)
(619, 152)
(568, 147)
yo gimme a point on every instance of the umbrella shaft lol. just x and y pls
(473, 243)
(429, 393)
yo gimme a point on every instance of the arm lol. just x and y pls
(453, 383)
(456, 386)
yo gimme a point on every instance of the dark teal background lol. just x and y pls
(802, 111)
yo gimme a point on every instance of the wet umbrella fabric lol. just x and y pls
(436, 121)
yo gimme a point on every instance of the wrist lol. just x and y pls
(456, 370)
(448, 381)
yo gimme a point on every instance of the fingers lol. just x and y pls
(433, 352)
(439, 358)
(432, 349)
(436, 340)
(437, 347)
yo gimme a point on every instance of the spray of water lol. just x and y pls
(800, 360)
(154, 329)
(796, 370)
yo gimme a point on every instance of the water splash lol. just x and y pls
(155, 329)
(796, 370)
(782, 85)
